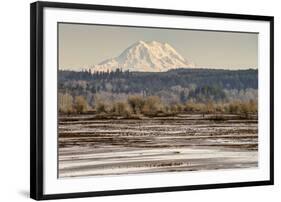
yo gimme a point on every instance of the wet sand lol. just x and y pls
(89, 146)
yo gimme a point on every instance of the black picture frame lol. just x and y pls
(36, 98)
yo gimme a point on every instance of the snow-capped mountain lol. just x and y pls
(145, 57)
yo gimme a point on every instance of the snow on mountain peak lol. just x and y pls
(151, 56)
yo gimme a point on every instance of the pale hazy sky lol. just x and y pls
(83, 45)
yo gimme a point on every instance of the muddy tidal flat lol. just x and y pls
(89, 146)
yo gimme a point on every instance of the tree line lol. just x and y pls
(150, 82)
(151, 106)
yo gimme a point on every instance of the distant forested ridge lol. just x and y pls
(174, 86)
(151, 81)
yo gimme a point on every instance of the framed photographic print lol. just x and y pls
(135, 100)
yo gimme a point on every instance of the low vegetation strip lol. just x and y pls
(152, 106)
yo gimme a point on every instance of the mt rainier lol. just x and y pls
(145, 57)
